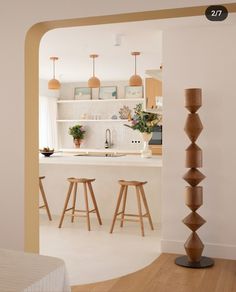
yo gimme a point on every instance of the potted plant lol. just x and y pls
(77, 132)
(144, 122)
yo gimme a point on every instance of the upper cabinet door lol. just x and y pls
(153, 89)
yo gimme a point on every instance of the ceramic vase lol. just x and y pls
(146, 152)
(77, 142)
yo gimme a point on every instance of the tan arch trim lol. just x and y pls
(33, 37)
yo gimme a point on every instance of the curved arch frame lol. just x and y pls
(32, 41)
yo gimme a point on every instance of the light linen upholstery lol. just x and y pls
(27, 272)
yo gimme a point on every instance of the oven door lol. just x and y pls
(156, 136)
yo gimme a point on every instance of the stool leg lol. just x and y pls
(86, 205)
(66, 203)
(117, 208)
(140, 210)
(44, 199)
(94, 202)
(74, 201)
(123, 208)
(146, 206)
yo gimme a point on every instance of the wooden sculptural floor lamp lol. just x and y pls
(194, 193)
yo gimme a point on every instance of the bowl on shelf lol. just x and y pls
(46, 152)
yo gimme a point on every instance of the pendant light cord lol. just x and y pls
(93, 66)
(135, 65)
(53, 68)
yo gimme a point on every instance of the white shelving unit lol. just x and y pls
(101, 100)
(71, 111)
(98, 120)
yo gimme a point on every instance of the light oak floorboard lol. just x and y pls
(164, 276)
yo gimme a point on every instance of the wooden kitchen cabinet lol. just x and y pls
(156, 149)
(153, 88)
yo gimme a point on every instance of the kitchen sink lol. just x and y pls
(100, 154)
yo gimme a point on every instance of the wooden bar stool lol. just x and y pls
(44, 198)
(73, 185)
(123, 195)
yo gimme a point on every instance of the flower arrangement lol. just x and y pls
(143, 121)
(77, 132)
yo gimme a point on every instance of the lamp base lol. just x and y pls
(204, 262)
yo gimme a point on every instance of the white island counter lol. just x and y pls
(99, 159)
(107, 171)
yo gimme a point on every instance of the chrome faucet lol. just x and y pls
(108, 142)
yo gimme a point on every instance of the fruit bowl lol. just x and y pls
(46, 152)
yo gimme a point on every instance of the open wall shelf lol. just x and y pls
(101, 100)
(83, 120)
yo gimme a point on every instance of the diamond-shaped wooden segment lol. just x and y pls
(193, 156)
(193, 221)
(193, 176)
(193, 197)
(193, 108)
(193, 126)
(194, 247)
(193, 99)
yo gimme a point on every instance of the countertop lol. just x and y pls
(126, 160)
(98, 150)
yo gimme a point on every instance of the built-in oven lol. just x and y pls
(156, 136)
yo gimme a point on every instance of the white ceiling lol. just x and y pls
(74, 45)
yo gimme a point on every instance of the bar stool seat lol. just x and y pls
(131, 183)
(44, 198)
(73, 185)
(140, 194)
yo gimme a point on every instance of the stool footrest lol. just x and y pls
(131, 215)
(75, 215)
(134, 215)
(82, 211)
(117, 214)
(68, 209)
(44, 206)
(131, 220)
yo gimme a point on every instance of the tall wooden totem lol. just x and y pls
(193, 193)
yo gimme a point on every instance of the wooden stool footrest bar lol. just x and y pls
(44, 206)
(135, 215)
(81, 211)
(130, 220)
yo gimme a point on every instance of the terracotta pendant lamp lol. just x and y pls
(135, 80)
(54, 83)
(93, 82)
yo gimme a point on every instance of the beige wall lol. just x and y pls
(16, 19)
(202, 57)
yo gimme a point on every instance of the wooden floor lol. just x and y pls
(164, 276)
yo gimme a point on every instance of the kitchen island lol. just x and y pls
(107, 170)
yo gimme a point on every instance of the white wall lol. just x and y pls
(15, 21)
(201, 57)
